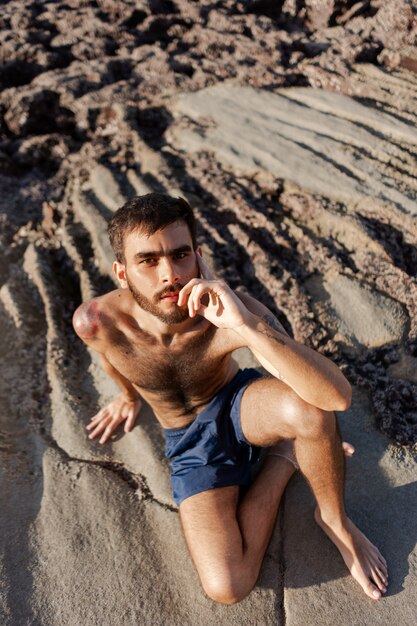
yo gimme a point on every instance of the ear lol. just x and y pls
(119, 270)
(199, 251)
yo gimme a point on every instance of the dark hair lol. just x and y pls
(148, 213)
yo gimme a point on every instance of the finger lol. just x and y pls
(190, 302)
(196, 295)
(99, 428)
(130, 421)
(108, 432)
(97, 418)
(186, 290)
(101, 413)
(205, 271)
(94, 424)
(97, 415)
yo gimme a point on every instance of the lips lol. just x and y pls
(172, 297)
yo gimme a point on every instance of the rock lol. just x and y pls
(45, 151)
(409, 60)
(319, 13)
(392, 22)
(365, 316)
(302, 135)
(263, 7)
(288, 186)
(405, 368)
(38, 112)
(389, 58)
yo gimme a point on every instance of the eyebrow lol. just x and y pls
(159, 253)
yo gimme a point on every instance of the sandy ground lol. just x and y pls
(290, 127)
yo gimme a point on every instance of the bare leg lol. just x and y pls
(320, 456)
(227, 539)
(348, 451)
(322, 462)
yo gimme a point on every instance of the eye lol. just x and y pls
(180, 255)
(149, 261)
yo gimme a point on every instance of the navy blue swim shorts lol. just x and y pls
(213, 451)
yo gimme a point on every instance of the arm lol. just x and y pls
(265, 314)
(128, 390)
(88, 324)
(311, 375)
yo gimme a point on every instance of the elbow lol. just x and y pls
(345, 398)
(343, 405)
(339, 400)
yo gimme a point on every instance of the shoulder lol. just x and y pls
(259, 309)
(87, 319)
(92, 317)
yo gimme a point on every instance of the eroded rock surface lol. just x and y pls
(104, 100)
(327, 143)
(364, 315)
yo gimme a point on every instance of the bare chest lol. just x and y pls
(181, 375)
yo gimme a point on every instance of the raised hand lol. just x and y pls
(116, 412)
(213, 299)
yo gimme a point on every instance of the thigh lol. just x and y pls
(212, 534)
(270, 411)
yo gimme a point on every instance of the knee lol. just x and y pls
(315, 423)
(227, 589)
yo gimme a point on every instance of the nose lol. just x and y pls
(169, 273)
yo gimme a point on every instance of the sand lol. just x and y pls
(291, 130)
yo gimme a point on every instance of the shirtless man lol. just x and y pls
(167, 335)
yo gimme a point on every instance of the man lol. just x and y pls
(167, 335)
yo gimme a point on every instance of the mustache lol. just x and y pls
(171, 289)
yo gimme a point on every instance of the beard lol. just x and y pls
(153, 306)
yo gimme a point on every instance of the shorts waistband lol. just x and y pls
(177, 431)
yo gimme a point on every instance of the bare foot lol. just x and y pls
(364, 561)
(348, 449)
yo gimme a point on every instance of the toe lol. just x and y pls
(370, 588)
(382, 575)
(376, 577)
(381, 564)
(372, 591)
(384, 563)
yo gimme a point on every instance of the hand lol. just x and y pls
(108, 419)
(222, 307)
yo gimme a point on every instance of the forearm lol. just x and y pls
(125, 385)
(311, 375)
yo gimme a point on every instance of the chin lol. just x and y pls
(174, 317)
